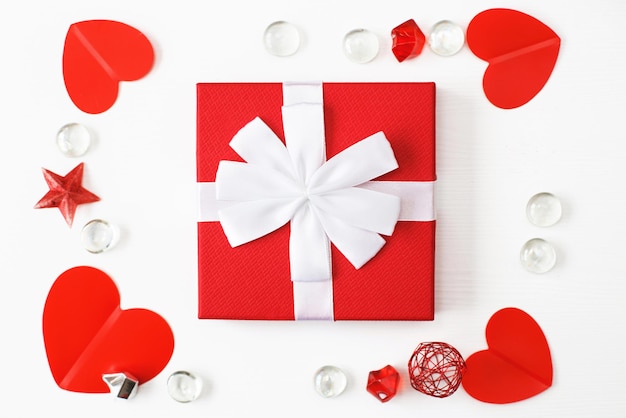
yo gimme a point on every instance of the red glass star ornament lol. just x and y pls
(66, 192)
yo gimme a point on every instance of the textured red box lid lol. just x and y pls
(252, 281)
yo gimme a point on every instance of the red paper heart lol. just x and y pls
(516, 366)
(521, 52)
(87, 334)
(98, 54)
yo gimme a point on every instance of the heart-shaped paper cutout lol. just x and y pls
(97, 55)
(87, 334)
(516, 366)
(521, 52)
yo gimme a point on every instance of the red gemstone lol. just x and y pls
(383, 383)
(408, 40)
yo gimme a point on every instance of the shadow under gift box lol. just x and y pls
(252, 281)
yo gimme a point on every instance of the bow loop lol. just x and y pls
(366, 160)
(257, 144)
(361, 208)
(247, 221)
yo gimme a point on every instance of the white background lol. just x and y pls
(568, 140)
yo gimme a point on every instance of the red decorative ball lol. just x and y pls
(436, 369)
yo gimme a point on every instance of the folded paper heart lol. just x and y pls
(87, 334)
(521, 52)
(97, 55)
(516, 366)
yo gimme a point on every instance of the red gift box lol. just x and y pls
(252, 281)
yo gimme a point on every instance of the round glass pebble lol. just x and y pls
(330, 381)
(98, 236)
(361, 45)
(538, 256)
(73, 140)
(446, 38)
(543, 209)
(281, 39)
(183, 386)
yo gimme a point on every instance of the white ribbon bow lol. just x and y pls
(294, 183)
(278, 184)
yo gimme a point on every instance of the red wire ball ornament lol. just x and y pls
(436, 369)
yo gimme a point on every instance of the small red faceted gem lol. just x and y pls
(383, 383)
(408, 40)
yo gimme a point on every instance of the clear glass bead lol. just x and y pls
(98, 236)
(330, 381)
(543, 209)
(361, 45)
(446, 38)
(73, 140)
(183, 386)
(281, 39)
(538, 256)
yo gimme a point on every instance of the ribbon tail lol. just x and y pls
(366, 209)
(356, 244)
(310, 261)
(309, 247)
(246, 182)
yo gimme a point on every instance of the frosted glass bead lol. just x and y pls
(73, 140)
(98, 236)
(330, 381)
(281, 39)
(361, 46)
(543, 209)
(538, 256)
(446, 38)
(183, 386)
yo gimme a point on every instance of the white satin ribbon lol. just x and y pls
(324, 201)
(416, 199)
